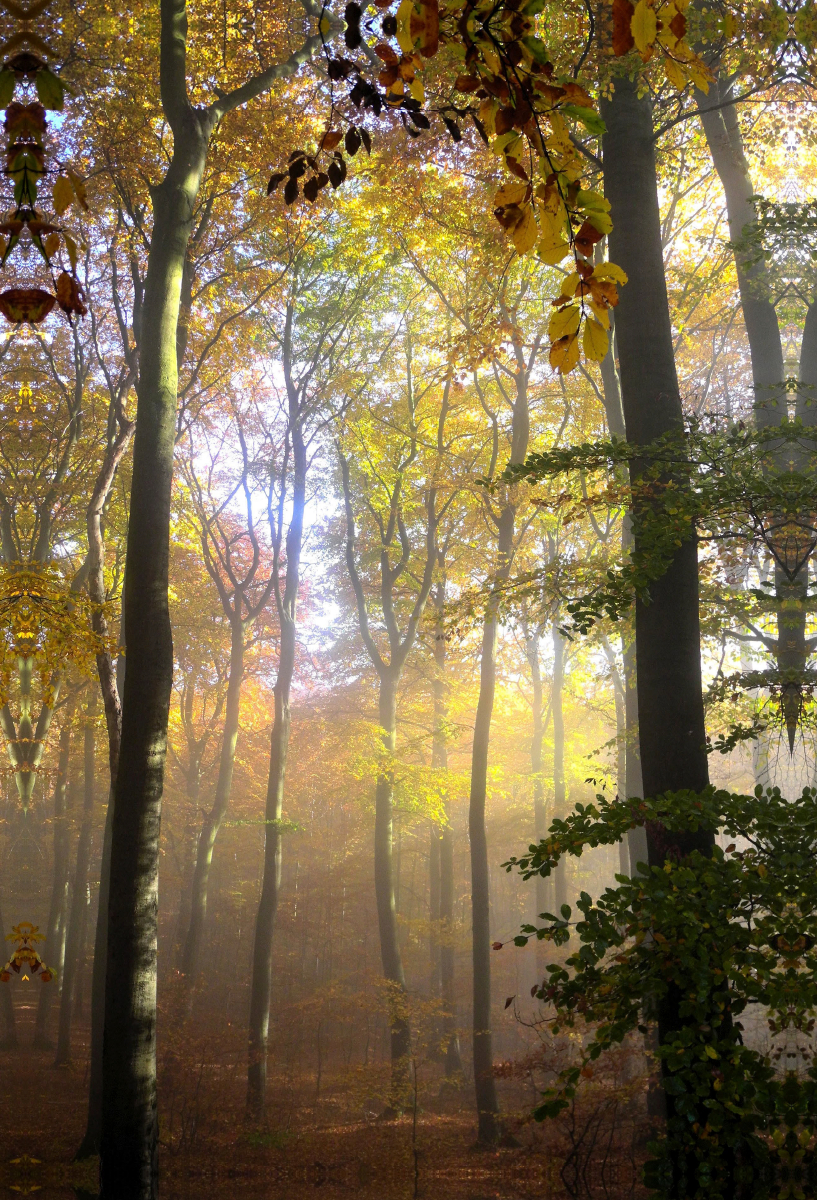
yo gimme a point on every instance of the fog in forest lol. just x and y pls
(407, 521)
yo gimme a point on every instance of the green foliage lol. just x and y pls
(722, 488)
(714, 936)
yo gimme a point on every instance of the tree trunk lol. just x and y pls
(759, 314)
(434, 908)
(79, 892)
(445, 848)
(55, 929)
(212, 822)
(390, 955)
(542, 886)
(671, 727)
(670, 703)
(129, 1169)
(261, 986)
(559, 789)
(488, 1125)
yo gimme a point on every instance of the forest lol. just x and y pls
(408, 620)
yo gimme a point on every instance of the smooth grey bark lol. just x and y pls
(488, 1125)
(129, 1140)
(621, 743)
(213, 820)
(670, 704)
(287, 605)
(543, 886)
(559, 786)
(726, 147)
(434, 908)
(443, 960)
(111, 683)
(57, 911)
(389, 669)
(672, 735)
(723, 135)
(79, 891)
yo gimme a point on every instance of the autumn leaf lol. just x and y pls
(62, 196)
(511, 193)
(78, 185)
(610, 270)
(524, 234)
(564, 354)
(622, 31)
(644, 27)
(565, 321)
(595, 341)
(26, 305)
(331, 139)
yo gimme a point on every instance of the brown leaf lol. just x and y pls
(26, 305)
(385, 52)
(331, 139)
(623, 39)
(69, 295)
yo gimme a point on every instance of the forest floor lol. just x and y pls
(208, 1150)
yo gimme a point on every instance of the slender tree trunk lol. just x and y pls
(129, 1140)
(261, 985)
(636, 838)
(434, 908)
(111, 682)
(79, 892)
(59, 889)
(390, 955)
(488, 1125)
(542, 885)
(559, 788)
(212, 821)
(445, 848)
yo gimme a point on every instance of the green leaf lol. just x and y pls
(590, 119)
(7, 84)
(50, 91)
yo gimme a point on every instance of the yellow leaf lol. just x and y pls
(711, 1051)
(551, 250)
(643, 26)
(564, 354)
(404, 38)
(700, 74)
(487, 114)
(324, 25)
(564, 322)
(71, 247)
(524, 234)
(62, 196)
(600, 221)
(602, 314)
(52, 244)
(675, 73)
(609, 270)
(595, 341)
(79, 188)
(570, 283)
(417, 90)
(511, 193)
